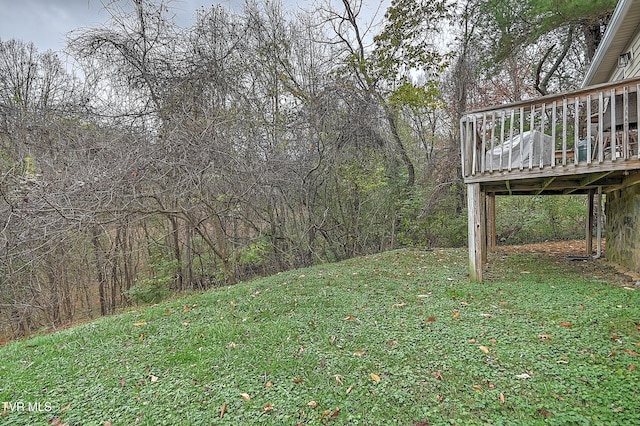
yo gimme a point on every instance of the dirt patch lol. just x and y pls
(573, 252)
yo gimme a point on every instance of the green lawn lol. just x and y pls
(396, 338)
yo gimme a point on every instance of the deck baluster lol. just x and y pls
(553, 133)
(576, 131)
(532, 113)
(612, 105)
(511, 137)
(588, 126)
(564, 130)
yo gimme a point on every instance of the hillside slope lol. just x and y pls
(396, 338)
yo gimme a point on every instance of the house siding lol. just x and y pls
(633, 69)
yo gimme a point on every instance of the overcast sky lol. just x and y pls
(46, 22)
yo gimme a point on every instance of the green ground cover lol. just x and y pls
(396, 338)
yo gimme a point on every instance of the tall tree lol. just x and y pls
(556, 37)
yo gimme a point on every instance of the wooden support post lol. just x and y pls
(599, 223)
(589, 239)
(491, 222)
(476, 225)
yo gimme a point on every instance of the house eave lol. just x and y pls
(623, 24)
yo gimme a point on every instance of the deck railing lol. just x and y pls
(596, 125)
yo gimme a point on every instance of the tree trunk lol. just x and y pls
(177, 252)
(411, 171)
(99, 270)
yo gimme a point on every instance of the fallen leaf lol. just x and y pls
(359, 353)
(501, 398)
(349, 389)
(440, 398)
(375, 377)
(296, 380)
(268, 385)
(312, 404)
(349, 317)
(456, 314)
(399, 305)
(566, 324)
(632, 367)
(140, 323)
(245, 396)
(267, 407)
(186, 308)
(544, 336)
(635, 344)
(338, 378)
(231, 345)
(107, 423)
(493, 341)
(223, 409)
(486, 315)
(335, 413)
(484, 349)
(630, 352)
(545, 413)
(153, 378)
(437, 375)
(430, 319)
(122, 381)
(186, 323)
(477, 388)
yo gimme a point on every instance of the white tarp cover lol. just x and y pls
(531, 143)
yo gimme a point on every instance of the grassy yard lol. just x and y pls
(396, 338)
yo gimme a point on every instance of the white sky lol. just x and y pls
(47, 22)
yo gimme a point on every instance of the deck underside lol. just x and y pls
(560, 180)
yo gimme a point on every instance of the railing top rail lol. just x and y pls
(556, 97)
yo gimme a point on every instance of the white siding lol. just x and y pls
(633, 69)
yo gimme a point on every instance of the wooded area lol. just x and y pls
(172, 159)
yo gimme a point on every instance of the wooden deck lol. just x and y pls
(581, 142)
(581, 150)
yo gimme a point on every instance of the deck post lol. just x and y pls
(589, 236)
(476, 225)
(599, 223)
(491, 222)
